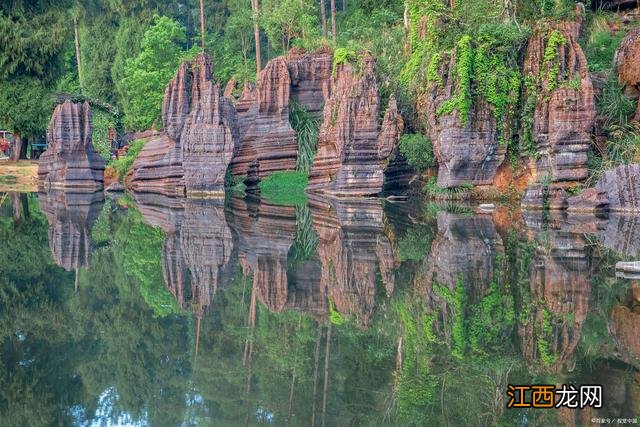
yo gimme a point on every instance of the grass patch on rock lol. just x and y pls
(285, 188)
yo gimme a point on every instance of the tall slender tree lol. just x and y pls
(202, 22)
(323, 15)
(77, 43)
(333, 19)
(256, 34)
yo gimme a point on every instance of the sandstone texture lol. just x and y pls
(627, 61)
(71, 217)
(618, 191)
(263, 110)
(353, 146)
(190, 157)
(466, 152)
(70, 162)
(539, 196)
(564, 101)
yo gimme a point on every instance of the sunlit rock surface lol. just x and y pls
(70, 162)
(190, 157)
(263, 110)
(627, 61)
(71, 217)
(353, 146)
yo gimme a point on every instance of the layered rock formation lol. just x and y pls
(564, 102)
(199, 249)
(71, 217)
(263, 110)
(190, 157)
(70, 162)
(618, 190)
(467, 152)
(627, 61)
(354, 251)
(353, 147)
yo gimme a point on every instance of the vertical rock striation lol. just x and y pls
(557, 81)
(618, 190)
(353, 149)
(190, 157)
(627, 61)
(70, 162)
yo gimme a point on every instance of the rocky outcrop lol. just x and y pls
(190, 157)
(618, 190)
(354, 251)
(353, 147)
(540, 196)
(263, 110)
(70, 162)
(467, 152)
(199, 248)
(71, 217)
(564, 113)
(627, 61)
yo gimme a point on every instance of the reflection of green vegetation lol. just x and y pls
(334, 315)
(416, 243)
(307, 129)
(306, 240)
(285, 188)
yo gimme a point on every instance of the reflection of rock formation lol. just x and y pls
(465, 250)
(354, 252)
(199, 140)
(265, 235)
(198, 250)
(71, 217)
(70, 161)
(625, 326)
(558, 296)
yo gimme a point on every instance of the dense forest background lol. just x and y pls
(120, 55)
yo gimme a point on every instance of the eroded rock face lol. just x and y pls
(625, 324)
(353, 148)
(199, 248)
(627, 61)
(70, 162)
(263, 110)
(71, 217)
(353, 250)
(190, 157)
(622, 188)
(564, 102)
(467, 152)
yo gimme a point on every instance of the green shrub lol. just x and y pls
(613, 105)
(418, 151)
(102, 121)
(600, 50)
(307, 131)
(342, 56)
(123, 164)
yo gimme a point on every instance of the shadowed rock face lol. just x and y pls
(71, 217)
(559, 292)
(353, 147)
(70, 161)
(200, 137)
(618, 190)
(466, 153)
(354, 253)
(625, 324)
(627, 61)
(198, 250)
(565, 107)
(263, 111)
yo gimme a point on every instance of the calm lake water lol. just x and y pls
(154, 311)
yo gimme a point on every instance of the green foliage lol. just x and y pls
(600, 50)
(612, 104)
(343, 56)
(415, 244)
(123, 164)
(24, 105)
(102, 121)
(306, 240)
(146, 76)
(307, 131)
(289, 22)
(285, 188)
(418, 151)
(460, 192)
(550, 58)
(461, 100)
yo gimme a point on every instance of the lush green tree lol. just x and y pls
(147, 74)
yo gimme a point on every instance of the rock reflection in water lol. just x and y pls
(198, 249)
(557, 301)
(71, 217)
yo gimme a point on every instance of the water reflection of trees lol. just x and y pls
(207, 312)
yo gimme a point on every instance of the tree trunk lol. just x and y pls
(202, 22)
(406, 15)
(344, 5)
(325, 391)
(19, 147)
(75, 30)
(323, 15)
(315, 377)
(15, 204)
(333, 19)
(256, 35)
